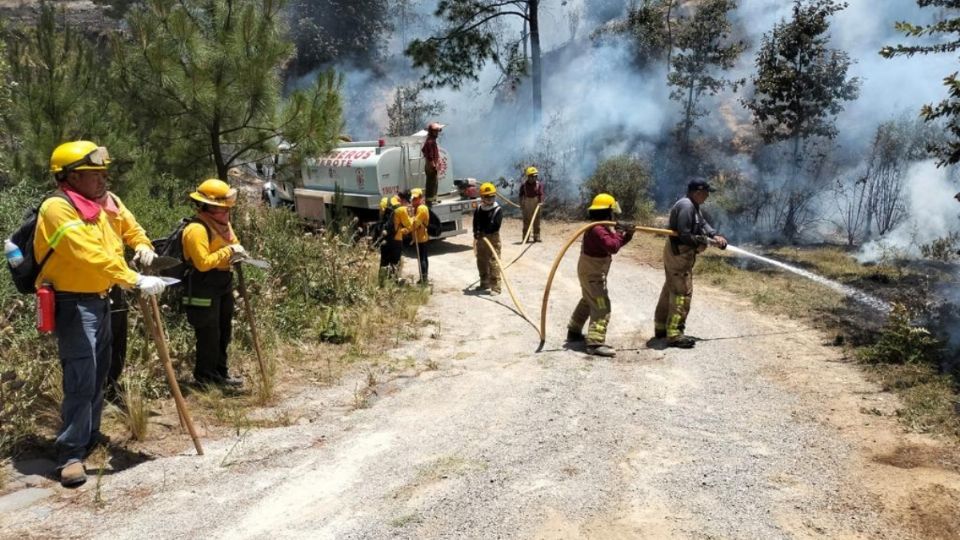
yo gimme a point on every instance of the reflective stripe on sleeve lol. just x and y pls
(62, 230)
(197, 302)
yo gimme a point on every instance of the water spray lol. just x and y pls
(859, 296)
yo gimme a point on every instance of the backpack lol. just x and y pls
(434, 227)
(25, 274)
(172, 246)
(385, 225)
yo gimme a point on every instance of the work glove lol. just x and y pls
(719, 241)
(239, 253)
(150, 285)
(628, 235)
(625, 226)
(145, 257)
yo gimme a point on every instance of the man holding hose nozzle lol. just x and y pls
(599, 244)
(694, 234)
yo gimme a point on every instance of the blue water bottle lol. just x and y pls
(13, 254)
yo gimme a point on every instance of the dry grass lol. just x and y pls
(135, 414)
(929, 399)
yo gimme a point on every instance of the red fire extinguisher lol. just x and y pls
(46, 321)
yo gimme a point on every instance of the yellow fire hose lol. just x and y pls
(556, 264)
(522, 252)
(532, 219)
(504, 198)
(506, 282)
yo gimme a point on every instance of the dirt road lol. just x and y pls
(762, 431)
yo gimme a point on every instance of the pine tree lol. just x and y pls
(57, 95)
(471, 38)
(409, 111)
(343, 31)
(799, 88)
(203, 78)
(947, 30)
(702, 47)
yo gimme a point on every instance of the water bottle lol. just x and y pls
(13, 253)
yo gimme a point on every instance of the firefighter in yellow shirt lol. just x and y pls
(85, 261)
(416, 226)
(209, 248)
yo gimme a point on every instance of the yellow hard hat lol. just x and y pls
(394, 201)
(383, 203)
(79, 156)
(487, 188)
(531, 171)
(416, 192)
(605, 201)
(215, 192)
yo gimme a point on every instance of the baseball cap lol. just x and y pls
(700, 185)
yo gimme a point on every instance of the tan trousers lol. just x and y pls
(487, 264)
(594, 302)
(677, 291)
(528, 205)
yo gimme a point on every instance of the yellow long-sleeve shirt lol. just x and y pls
(207, 251)
(127, 228)
(417, 224)
(87, 258)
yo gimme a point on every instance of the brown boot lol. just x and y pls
(73, 474)
(681, 342)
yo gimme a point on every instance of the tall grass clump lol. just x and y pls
(318, 280)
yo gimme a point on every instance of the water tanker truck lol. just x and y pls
(364, 172)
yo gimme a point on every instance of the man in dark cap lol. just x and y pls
(694, 234)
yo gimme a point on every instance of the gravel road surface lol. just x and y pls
(758, 432)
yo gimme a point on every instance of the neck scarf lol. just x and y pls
(220, 225)
(89, 209)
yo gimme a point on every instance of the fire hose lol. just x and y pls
(563, 251)
(506, 282)
(504, 198)
(522, 252)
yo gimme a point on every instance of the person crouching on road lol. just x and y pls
(417, 228)
(531, 196)
(694, 234)
(391, 248)
(209, 248)
(85, 263)
(487, 219)
(600, 242)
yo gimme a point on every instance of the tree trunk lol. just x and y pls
(537, 75)
(218, 160)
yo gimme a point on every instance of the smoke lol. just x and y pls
(597, 104)
(934, 214)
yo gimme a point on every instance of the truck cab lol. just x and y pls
(364, 172)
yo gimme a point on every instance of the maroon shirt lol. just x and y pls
(430, 150)
(532, 191)
(599, 241)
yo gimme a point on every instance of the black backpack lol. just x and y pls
(172, 246)
(385, 225)
(25, 274)
(433, 227)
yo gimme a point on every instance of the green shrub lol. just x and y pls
(628, 180)
(902, 342)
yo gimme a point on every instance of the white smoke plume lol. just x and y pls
(933, 211)
(595, 96)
